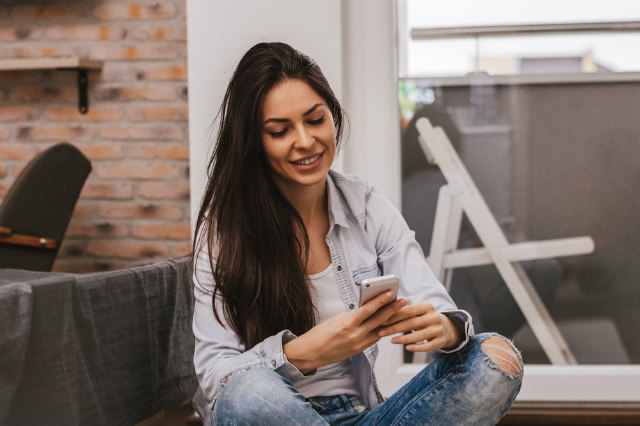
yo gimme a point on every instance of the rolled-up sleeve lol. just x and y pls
(400, 254)
(218, 350)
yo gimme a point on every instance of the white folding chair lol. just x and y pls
(461, 195)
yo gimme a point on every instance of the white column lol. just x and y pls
(371, 95)
(371, 100)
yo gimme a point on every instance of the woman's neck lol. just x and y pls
(309, 201)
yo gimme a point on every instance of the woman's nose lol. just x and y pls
(304, 139)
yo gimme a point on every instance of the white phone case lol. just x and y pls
(371, 287)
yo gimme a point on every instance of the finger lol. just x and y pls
(430, 346)
(372, 306)
(417, 336)
(411, 311)
(369, 340)
(415, 323)
(376, 320)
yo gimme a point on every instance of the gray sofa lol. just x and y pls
(107, 348)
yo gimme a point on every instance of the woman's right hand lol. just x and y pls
(343, 335)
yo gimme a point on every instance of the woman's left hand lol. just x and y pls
(429, 329)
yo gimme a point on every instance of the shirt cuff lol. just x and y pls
(279, 361)
(462, 322)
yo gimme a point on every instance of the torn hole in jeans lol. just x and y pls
(502, 355)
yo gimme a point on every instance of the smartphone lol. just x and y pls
(371, 287)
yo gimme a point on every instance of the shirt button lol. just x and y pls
(339, 268)
(273, 363)
(351, 306)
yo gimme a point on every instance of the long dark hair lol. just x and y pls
(257, 259)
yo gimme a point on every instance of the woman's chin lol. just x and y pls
(308, 179)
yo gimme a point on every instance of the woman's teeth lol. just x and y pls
(308, 160)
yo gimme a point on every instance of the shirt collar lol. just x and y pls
(346, 199)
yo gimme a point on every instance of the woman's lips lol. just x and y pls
(308, 163)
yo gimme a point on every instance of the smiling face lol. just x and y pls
(298, 135)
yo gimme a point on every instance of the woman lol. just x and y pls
(283, 241)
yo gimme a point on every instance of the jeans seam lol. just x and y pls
(419, 398)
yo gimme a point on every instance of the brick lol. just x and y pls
(17, 152)
(135, 70)
(4, 133)
(106, 190)
(162, 231)
(73, 247)
(5, 184)
(71, 113)
(139, 10)
(53, 133)
(135, 51)
(163, 72)
(29, 13)
(143, 132)
(157, 92)
(20, 33)
(17, 166)
(181, 249)
(101, 151)
(159, 32)
(97, 229)
(138, 169)
(127, 249)
(36, 51)
(3, 170)
(44, 92)
(17, 113)
(118, 71)
(167, 190)
(158, 113)
(165, 151)
(127, 210)
(86, 32)
(12, 77)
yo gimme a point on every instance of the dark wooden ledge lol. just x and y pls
(573, 413)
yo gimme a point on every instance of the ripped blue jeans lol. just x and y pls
(464, 388)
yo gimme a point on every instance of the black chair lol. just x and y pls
(37, 208)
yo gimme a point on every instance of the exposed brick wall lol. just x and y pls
(134, 207)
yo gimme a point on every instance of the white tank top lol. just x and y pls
(336, 378)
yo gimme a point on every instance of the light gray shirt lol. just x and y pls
(335, 378)
(367, 237)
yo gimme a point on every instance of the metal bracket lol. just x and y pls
(83, 90)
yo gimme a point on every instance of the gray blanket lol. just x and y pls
(105, 349)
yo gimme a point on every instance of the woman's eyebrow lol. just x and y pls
(286, 120)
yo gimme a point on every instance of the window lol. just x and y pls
(546, 123)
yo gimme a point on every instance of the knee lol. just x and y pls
(503, 356)
(251, 394)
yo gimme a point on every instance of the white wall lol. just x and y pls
(220, 32)
(352, 40)
(354, 43)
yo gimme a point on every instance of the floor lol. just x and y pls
(522, 414)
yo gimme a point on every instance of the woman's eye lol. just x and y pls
(278, 134)
(317, 121)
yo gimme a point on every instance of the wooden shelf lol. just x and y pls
(74, 63)
(66, 62)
